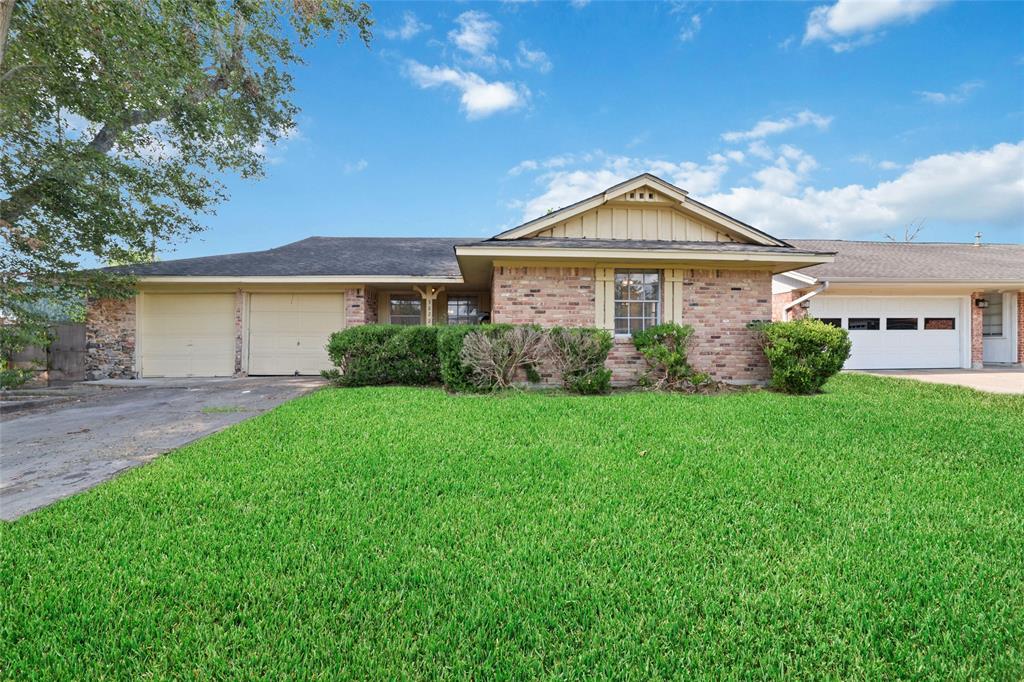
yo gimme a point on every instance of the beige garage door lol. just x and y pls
(288, 332)
(188, 335)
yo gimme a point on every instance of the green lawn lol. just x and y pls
(876, 531)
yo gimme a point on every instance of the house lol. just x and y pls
(911, 305)
(639, 253)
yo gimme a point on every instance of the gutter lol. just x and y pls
(806, 297)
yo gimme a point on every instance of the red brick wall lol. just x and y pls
(550, 297)
(359, 307)
(977, 340)
(1020, 327)
(779, 302)
(718, 303)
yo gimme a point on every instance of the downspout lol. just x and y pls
(806, 297)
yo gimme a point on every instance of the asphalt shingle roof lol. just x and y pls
(324, 256)
(557, 242)
(915, 261)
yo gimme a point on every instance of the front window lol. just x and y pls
(405, 309)
(463, 309)
(992, 316)
(637, 300)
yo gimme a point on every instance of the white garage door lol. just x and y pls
(288, 332)
(187, 335)
(896, 333)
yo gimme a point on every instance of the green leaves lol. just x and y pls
(117, 119)
(804, 353)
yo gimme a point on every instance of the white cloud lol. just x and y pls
(759, 149)
(563, 187)
(690, 30)
(791, 167)
(532, 59)
(767, 127)
(889, 165)
(477, 36)
(852, 23)
(972, 188)
(352, 167)
(957, 95)
(410, 28)
(579, 4)
(479, 98)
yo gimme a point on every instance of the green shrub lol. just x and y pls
(380, 354)
(804, 354)
(13, 377)
(455, 375)
(579, 355)
(664, 347)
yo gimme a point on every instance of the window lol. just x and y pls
(992, 316)
(463, 309)
(405, 309)
(863, 324)
(940, 323)
(901, 323)
(833, 321)
(637, 296)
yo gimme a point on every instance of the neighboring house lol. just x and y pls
(911, 305)
(640, 253)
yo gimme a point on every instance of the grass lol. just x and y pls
(222, 409)
(875, 531)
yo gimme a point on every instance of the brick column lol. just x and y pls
(977, 339)
(1020, 327)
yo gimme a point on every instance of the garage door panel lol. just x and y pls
(896, 349)
(188, 335)
(288, 333)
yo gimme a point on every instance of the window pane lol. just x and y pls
(863, 324)
(901, 323)
(405, 309)
(463, 310)
(992, 316)
(637, 294)
(940, 323)
(833, 321)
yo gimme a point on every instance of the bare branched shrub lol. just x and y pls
(496, 358)
(579, 354)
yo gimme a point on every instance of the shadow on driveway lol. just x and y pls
(51, 453)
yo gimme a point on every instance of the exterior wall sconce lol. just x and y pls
(981, 303)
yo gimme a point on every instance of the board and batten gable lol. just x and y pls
(643, 214)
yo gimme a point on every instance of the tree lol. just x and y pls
(911, 231)
(117, 118)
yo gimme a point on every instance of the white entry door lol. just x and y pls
(288, 333)
(897, 332)
(999, 325)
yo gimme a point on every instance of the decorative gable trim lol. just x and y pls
(655, 192)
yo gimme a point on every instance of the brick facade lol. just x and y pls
(977, 339)
(717, 303)
(1020, 327)
(110, 339)
(550, 296)
(360, 307)
(779, 302)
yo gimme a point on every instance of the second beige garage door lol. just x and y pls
(288, 332)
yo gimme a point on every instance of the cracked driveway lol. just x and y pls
(52, 453)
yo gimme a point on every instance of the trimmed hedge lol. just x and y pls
(804, 354)
(379, 354)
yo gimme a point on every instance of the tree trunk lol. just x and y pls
(6, 10)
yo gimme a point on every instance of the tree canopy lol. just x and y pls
(117, 119)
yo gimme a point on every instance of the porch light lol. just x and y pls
(805, 304)
(981, 303)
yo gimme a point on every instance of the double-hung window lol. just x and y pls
(637, 300)
(405, 309)
(463, 309)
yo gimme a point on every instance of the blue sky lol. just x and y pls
(845, 120)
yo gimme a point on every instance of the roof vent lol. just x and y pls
(977, 238)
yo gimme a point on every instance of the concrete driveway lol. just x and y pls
(50, 453)
(991, 379)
